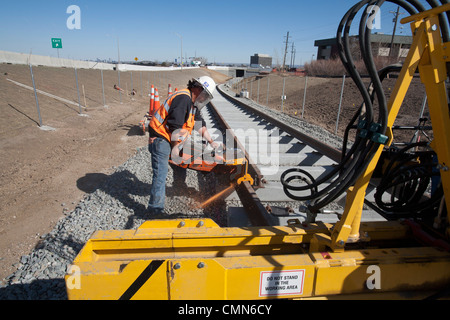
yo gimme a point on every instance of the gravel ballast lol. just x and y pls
(119, 203)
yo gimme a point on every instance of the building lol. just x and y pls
(328, 49)
(261, 59)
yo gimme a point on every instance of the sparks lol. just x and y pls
(219, 195)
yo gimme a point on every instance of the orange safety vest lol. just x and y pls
(159, 123)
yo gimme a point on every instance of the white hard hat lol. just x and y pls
(206, 96)
(207, 83)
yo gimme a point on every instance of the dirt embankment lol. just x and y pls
(323, 97)
(43, 173)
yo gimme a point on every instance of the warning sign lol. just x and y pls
(280, 283)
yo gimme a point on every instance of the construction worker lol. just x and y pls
(169, 128)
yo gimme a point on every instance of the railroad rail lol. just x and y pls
(271, 147)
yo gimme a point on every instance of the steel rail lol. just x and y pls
(256, 212)
(253, 169)
(321, 147)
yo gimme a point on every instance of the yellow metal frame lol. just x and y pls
(245, 176)
(196, 259)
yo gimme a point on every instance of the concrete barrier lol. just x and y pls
(130, 67)
(36, 60)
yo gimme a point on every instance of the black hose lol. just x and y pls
(351, 163)
(407, 183)
(370, 133)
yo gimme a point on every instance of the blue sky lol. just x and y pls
(222, 31)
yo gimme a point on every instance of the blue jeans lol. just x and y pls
(160, 151)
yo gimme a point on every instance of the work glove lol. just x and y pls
(214, 145)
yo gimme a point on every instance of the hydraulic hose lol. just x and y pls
(370, 132)
(407, 179)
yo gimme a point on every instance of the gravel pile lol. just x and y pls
(118, 203)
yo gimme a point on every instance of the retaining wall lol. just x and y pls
(36, 60)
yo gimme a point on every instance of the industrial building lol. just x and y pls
(261, 59)
(381, 43)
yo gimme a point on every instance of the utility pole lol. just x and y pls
(395, 28)
(118, 67)
(181, 55)
(285, 52)
(295, 54)
(292, 57)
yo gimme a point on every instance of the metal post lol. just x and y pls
(304, 96)
(131, 77)
(118, 68)
(424, 103)
(120, 91)
(78, 90)
(181, 52)
(35, 96)
(103, 89)
(340, 104)
(282, 96)
(140, 72)
(257, 98)
(84, 96)
(416, 134)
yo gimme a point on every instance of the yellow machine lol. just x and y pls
(196, 259)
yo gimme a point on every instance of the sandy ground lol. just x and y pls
(323, 96)
(46, 173)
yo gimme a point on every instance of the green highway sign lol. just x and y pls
(56, 43)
